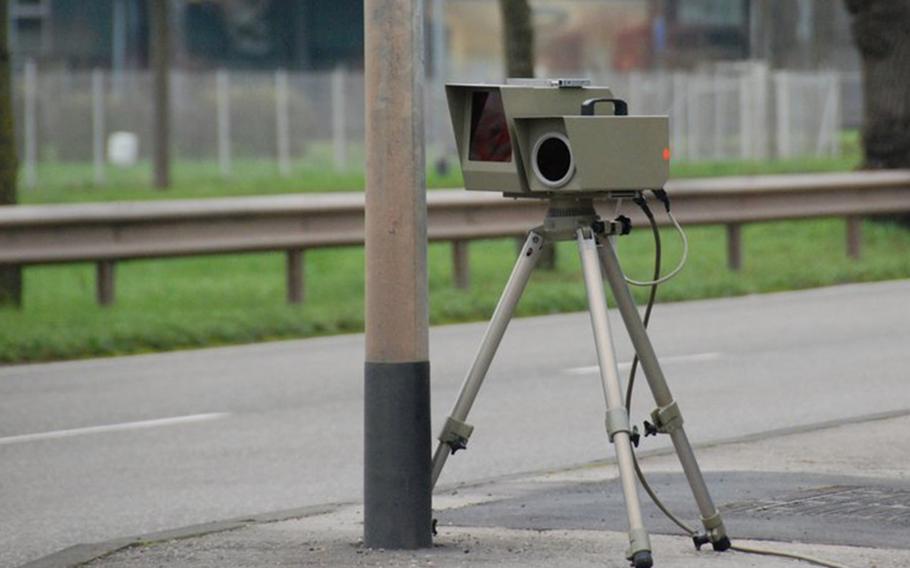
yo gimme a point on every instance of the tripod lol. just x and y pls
(576, 219)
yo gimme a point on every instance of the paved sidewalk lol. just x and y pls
(814, 487)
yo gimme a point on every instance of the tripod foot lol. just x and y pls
(642, 559)
(721, 544)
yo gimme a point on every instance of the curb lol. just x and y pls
(81, 554)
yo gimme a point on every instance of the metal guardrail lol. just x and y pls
(105, 233)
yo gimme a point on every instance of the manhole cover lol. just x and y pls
(869, 503)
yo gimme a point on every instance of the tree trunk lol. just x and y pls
(518, 37)
(518, 40)
(881, 30)
(160, 50)
(10, 276)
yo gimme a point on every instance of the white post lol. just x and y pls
(282, 123)
(31, 124)
(339, 126)
(782, 106)
(693, 116)
(761, 86)
(223, 103)
(836, 113)
(718, 99)
(98, 124)
(746, 116)
(678, 124)
(635, 90)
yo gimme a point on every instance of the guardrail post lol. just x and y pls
(105, 282)
(295, 276)
(854, 237)
(734, 247)
(461, 267)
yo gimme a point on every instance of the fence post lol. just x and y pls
(678, 126)
(854, 237)
(734, 247)
(746, 114)
(282, 122)
(339, 126)
(461, 266)
(31, 123)
(104, 272)
(784, 143)
(295, 276)
(718, 98)
(223, 103)
(693, 124)
(98, 124)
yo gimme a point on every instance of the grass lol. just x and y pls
(72, 182)
(195, 302)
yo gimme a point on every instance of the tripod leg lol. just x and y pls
(455, 432)
(617, 418)
(667, 416)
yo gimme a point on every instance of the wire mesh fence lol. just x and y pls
(727, 112)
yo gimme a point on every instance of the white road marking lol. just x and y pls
(112, 428)
(694, 358)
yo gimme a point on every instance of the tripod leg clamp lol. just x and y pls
(617, 421)
(639, 541)
(668, 418)
(455, 434)
(714, 526)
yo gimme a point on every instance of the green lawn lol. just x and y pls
(180, 303)
(71, 182)
(193, 302)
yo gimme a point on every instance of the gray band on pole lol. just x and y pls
(397, 503)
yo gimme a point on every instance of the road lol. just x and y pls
(93, 450)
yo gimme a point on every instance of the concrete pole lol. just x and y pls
(397, 485)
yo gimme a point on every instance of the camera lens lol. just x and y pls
(552, 160)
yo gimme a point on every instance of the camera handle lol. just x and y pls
(620, 107)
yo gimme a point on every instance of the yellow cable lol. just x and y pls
(768, 552)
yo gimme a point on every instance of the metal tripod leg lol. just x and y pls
(456, 431)
(617, 420)
(667, 416)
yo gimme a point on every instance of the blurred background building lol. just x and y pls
(243, 34)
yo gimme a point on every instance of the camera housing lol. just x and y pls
(542, 138)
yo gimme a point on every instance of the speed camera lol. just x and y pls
(543, 138)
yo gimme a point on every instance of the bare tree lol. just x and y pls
(10, 276)
(160, 51)
(518, 41)
(881, 30)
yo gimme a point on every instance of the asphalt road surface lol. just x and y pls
(93, 450)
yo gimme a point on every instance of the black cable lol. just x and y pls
(652, 295)
(640, 201)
